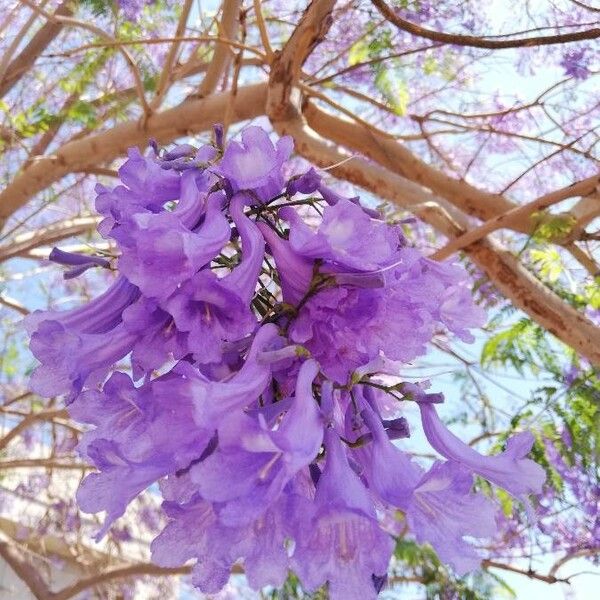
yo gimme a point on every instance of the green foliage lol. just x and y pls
(84, 113)
(292, 589)
(99, 7)
(394, 90)
(522, 345)
(551, 228)
(9, 364)
(558, 405)
(591, 293)
(84, 72)
(32, 121)
(386, 77)
(549, 262)
(415, 562)
(581, 416)
(358, 53)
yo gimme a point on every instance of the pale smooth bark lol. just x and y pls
(189, 117)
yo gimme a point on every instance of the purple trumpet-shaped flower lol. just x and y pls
(439, 505)
(140, 435)
(256, 164)
(194, 531)
(340, 541)
(332, 198)
(509, 470)
(243, 278)
(459, 314)
(443, 510)
(159, 252)
(211, 314)
(237, 318)
(294, 270)
(214, 400)
(77, 347)
(156, 339)
(143, 176)
(253, 463)
(98, 316)
(80, 263)
(148, 189)
(71, 360)
(391, 473)
(339, 326)
(346, 237)
(307, 183)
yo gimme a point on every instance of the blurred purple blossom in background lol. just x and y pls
(576, 63)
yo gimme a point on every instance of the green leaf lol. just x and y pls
(592, 294)
(83, 112)
(430, 65)
(394, 90)
(549, 262)
(358, 53)
(524, 344)
(10, 360)
(551, 228)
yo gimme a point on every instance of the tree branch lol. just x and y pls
(394, 156)
(480, 42)
(28, 421)
(25, 571)
(117, 573)
(135, 72)
(42, 463)
(517, 214)
(14, 305)
(38, 43)
(187, 118)
(228, 28)
(287, 64)
(166, 74)
(571, 556)
(24, 243)
(529, 573)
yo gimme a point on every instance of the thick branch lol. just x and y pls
(584, 212)
(25, 571)
(187, 118)
(580, 188)
(480, 42)
(22, 244)
(538, 301)
(38, 43)
(392, 155)
(222, 56)
(117, 573)
(287, 64)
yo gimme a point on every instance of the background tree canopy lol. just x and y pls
(473, 124)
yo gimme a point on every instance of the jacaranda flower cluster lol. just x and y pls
(247, 358)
